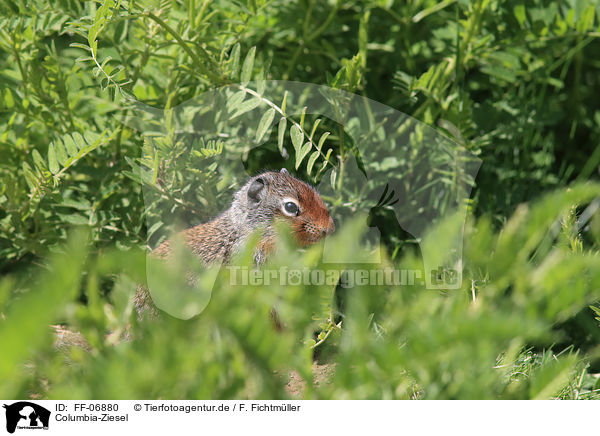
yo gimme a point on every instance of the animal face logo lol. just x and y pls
(26, 415)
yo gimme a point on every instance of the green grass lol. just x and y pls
(515, 84)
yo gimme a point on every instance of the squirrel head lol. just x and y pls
(278, 195)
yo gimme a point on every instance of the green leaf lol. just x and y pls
(431, 10)
(236, 100)
(61, 153)
(74, 219)
(326, 162)
(519, 11)
(39, 161)
(261, 83)
(247, 106)
(30, 176)
(302, 154)
(551, 378)
(314, 129)
(9, 101)
(284, 102)
(79, 141)
(586, 20)
(52, 160)
(311, 161)
(105, 61)
(247, 67)
(70, 145)
(76, 204)
(81, 46)
(303, 116)
(281, 133)
(322, 140)
(297, 137)
(235, 60)
(264, 124)
(154, 228)
(499, 72)
(84, 59)
(92, 138)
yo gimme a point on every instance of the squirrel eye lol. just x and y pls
(291, 208)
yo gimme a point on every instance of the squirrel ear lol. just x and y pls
(284, 171)
(255, 189)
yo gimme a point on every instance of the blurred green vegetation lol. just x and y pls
(512, 82)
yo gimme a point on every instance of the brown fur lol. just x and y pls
(254, 208)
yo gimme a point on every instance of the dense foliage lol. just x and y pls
(514, 83)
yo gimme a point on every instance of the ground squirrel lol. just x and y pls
(263, 199)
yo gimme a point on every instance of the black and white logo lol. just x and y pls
(26, 415)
